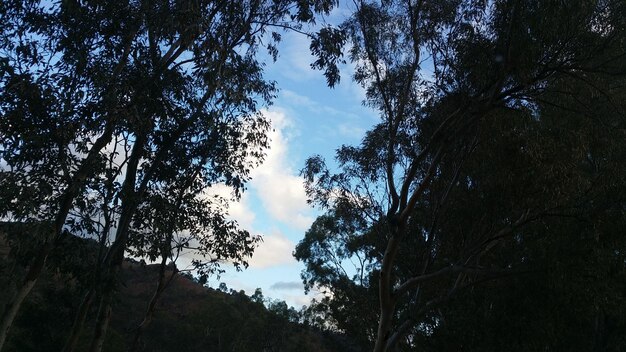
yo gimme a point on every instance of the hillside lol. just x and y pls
(188, 317)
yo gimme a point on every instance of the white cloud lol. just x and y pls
(275, 250)
(241, 212)
(281, 192)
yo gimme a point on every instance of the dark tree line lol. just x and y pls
(189, 317)
(492, 189)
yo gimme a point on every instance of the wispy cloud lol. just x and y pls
(296, 66)
(291, 285)
(345, 124)
(297, 100)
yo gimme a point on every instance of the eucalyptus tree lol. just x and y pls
(169, 77)
(458, 85)
(180, 216)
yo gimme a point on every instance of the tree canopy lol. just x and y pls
(118, 117)
(500, 126)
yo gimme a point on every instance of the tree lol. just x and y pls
(573, 256)
(174, 85)
(459, 84)
(568, 303)
(178, 216)
(339, 257)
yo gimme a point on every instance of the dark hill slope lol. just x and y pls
(189, 317)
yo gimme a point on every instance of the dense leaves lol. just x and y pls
(119, 117)
(501, 126)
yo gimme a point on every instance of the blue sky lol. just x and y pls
(308, 118)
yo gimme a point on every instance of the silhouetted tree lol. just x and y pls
(466, 160)
(172, 86)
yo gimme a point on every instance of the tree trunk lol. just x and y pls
(384, 329)
(12, 307)
(104, 315)
(385, 290)
(83, 309)
(110, 276)
(79, 321)
(114, 258)
(162, 284)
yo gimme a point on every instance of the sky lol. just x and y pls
(308, 118)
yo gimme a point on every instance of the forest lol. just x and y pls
(485, 210)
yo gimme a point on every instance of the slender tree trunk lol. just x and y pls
(112, 262)
(384, 329)
(110, 277)
(385, 290)
(83, 309)
(79, 321)
(12, 307)
(104, 315)
(162, 284)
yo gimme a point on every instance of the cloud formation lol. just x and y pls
(278, 187)
(297, 65)
(280, 193)
(346, 124)
(275, 250)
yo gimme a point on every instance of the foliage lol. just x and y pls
(500, 122)
(119, 116)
